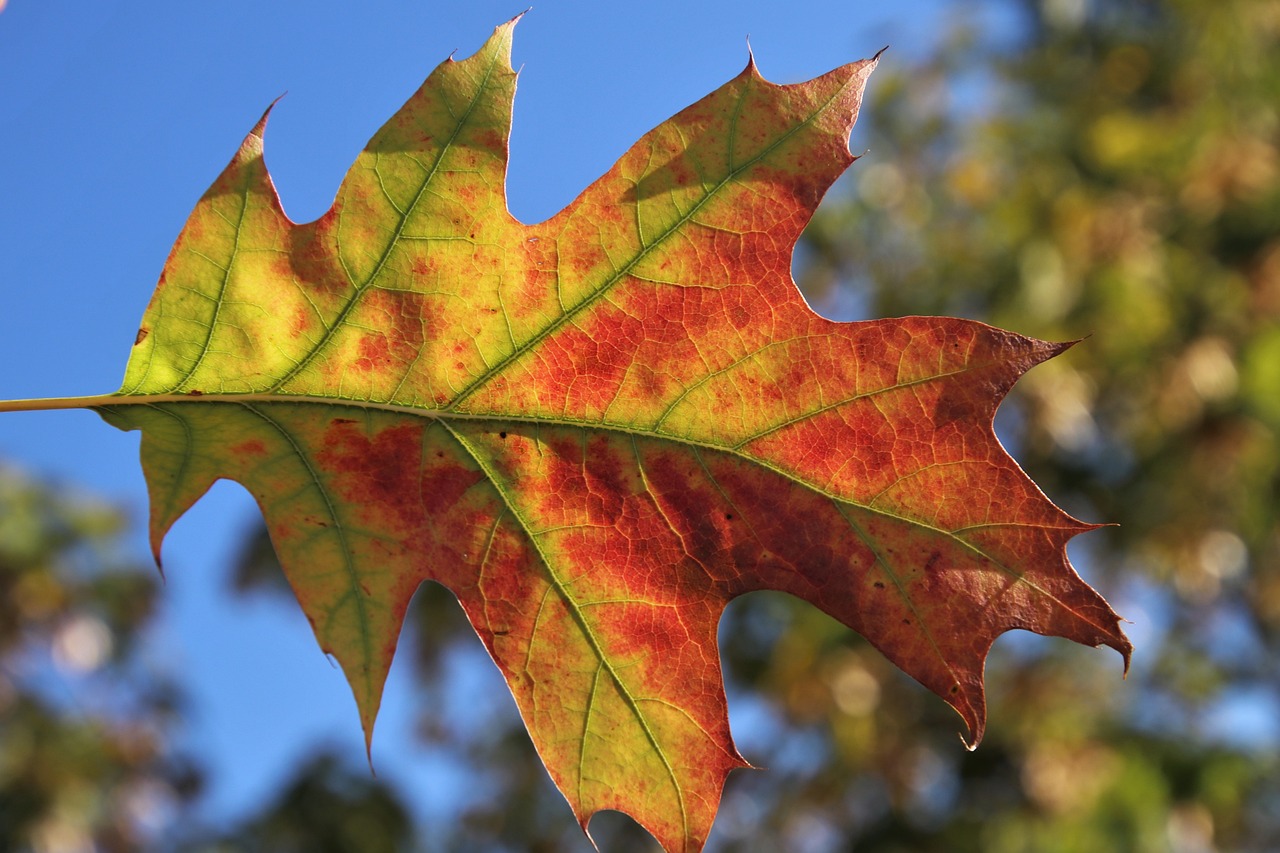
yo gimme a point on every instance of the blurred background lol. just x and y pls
(1097, 169)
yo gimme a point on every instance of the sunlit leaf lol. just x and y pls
(596, 430)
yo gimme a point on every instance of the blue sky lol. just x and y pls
(114, 118)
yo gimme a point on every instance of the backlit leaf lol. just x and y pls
(596, 430)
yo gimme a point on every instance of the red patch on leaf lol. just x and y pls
(252, 447)
(382, 475)
(373, 353)
(369, 472)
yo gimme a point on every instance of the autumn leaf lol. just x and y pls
(596, 430)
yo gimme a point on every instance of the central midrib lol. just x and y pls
(446, 416)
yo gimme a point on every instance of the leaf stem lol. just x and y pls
(47, 404)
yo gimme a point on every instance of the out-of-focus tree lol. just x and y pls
(328, 807)
(85, 722)
(1110, 173)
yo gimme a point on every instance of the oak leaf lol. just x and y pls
(596, 430)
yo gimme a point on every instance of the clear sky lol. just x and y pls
(114, 118)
